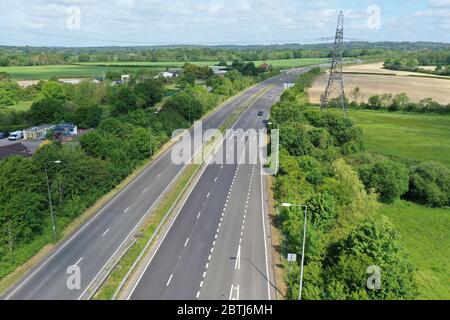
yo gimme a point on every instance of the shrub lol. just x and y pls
(322, 210)
(371, 244)
(429, 184)
(390, 179)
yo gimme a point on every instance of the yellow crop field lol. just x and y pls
(370, 83)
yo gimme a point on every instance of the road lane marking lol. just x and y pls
(104, 233)
(187, 240)
(232, 290)
(143, 191)
(198, 294)
(199, 214)
(78, 261)
(264, 234)
(215, 180)
(237, 265)
(201, 284)
(208, 195)
(126, 210)
(168, 281)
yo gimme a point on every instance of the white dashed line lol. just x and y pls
(104, 233)
(187, 240)
(168, 281)
(126, 210)
(78, 261)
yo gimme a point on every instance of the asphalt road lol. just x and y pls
(96, 242)
(217, 247)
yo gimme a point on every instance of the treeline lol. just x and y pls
(346, 240)
(125, 137)
(393, 103)
(28, 56)
(414, 61)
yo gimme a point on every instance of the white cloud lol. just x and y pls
(198, 21)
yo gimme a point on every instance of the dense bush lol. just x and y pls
(371, 244)
(339, 246)
(429, 184)
(390, 179)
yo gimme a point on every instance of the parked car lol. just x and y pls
(16, 135)
(260, 114)
(3, 135)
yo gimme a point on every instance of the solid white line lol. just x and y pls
(237, 264)
(104, 233)
(264, 234)
(187, 240)
(78, 261)
(168, 282)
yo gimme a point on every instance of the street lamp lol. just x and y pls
(288, 205)
(50, 196)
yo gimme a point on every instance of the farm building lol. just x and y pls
(65, 129)
(38, 132)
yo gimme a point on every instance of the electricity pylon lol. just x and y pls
(335, 80)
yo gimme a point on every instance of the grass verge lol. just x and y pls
(425, 237)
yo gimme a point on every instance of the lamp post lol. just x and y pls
(50, 197)
(304, 242)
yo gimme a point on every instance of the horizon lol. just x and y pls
(187, 45)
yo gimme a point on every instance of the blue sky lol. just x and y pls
(142, 22)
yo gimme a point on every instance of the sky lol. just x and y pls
(217, 22)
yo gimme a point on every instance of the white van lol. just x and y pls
(16, 135)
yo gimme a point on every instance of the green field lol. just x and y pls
(406, 137)
(84, 70)
(424, 231)
(286, 63)
(425, 237)
(65, 71)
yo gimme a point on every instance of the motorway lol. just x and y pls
(218, 246)
(96, 243)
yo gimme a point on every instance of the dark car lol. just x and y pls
(260, 114)
(3, 135)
